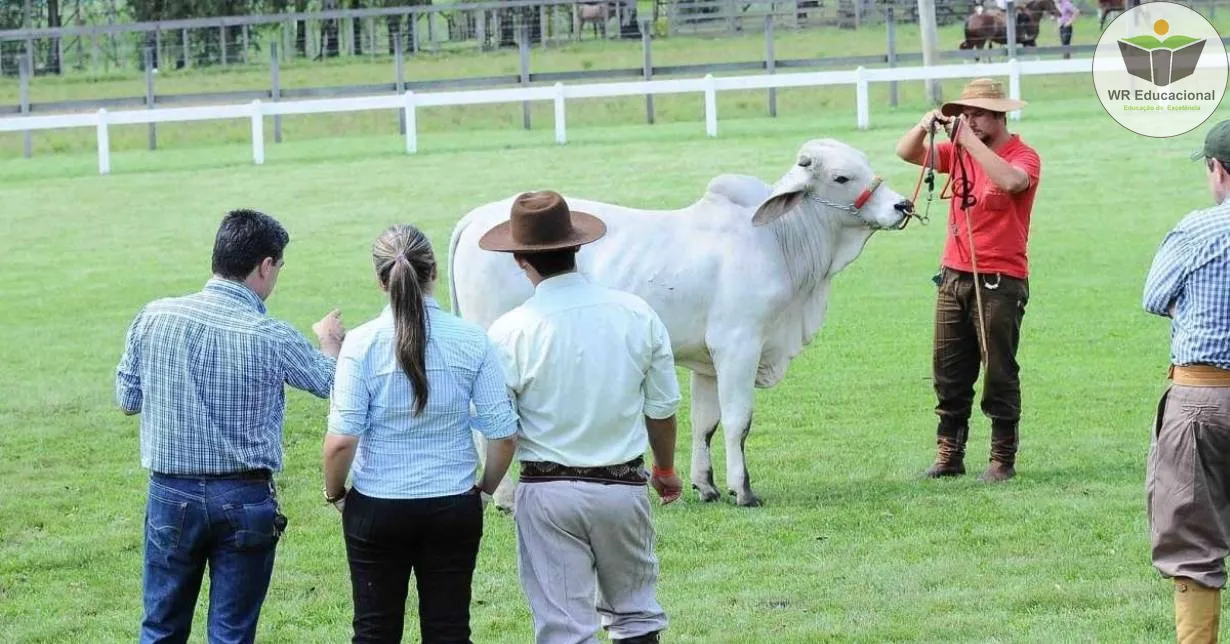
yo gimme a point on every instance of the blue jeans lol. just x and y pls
(231, 524)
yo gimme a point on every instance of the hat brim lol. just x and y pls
(953, 108)
(1198, 155)
(586, 228)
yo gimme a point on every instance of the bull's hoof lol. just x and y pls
(708, 493)
(747, 499)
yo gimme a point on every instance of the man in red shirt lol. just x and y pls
(1000, 173)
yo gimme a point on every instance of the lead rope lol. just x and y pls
(963, 190)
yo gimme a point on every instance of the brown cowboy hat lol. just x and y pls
(984, 93)
(542, 221)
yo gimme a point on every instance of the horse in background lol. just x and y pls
(982, 28)
(1105, 7)
(595, 13)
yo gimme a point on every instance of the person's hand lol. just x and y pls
(965, 136)
(667, 484)
(933, 116)
(339, 504)
(329, 330)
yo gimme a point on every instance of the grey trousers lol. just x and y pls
(1188, 484)
(586, 551)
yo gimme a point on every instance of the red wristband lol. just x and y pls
(659, 472)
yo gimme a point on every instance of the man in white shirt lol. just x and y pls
(594, 379)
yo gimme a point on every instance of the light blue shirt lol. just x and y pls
(1191, 272)
(403, 456)
(207, 372)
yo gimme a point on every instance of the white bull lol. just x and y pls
(740, 278)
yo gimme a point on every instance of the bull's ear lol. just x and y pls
(776, 206)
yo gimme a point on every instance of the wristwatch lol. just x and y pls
(332, 500)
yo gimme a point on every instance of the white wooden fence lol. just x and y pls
(861, 78)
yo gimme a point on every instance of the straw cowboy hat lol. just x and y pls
(542, 221)
(984, 93)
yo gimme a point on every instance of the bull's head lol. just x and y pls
(838, 177)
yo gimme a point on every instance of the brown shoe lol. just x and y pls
(949, 459)
(1003, 453)
(997, 472)
(950, 438)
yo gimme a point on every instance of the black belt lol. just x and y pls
(247, 475)
(630, 473)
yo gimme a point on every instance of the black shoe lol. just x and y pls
(647, 638)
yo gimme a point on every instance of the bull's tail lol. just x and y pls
(458, 229)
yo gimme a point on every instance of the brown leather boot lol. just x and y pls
(950, 451)
(1003, 453)
(1197, 612)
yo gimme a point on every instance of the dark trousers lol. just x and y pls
(1065, 38)
(436, 539)
(956, 357)
(231, 525)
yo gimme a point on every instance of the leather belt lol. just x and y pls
(630, 473)
(1199, 375)
(249, 475)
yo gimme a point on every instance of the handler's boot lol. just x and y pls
(1003, 453)
(950, 450)
(1197, 612)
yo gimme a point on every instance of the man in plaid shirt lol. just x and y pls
(206, 372)
(1188, 471)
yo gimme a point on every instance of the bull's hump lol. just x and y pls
(742, 191)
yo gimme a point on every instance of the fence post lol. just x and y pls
(1014, 85)
(399, 67)
(710, 105)
(647, 47)
(770, 61)
(561, 132)
(149, 96)
(1011, 4)
(524, 46)
(892, 52)
(25, 68)
(864, 104)
(275, 69)
(258, 133)
(408, 114)
(104, 143)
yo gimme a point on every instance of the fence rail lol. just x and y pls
(559, 93)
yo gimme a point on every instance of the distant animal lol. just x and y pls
(740, 279)
(1105, 7)
(596, 14)
(982, 28)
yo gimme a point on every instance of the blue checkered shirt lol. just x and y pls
(1191, 273)
(206, 371)
(401, 455)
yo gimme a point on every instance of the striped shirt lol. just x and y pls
(1191, 273)
(400, 455)
(206, 371)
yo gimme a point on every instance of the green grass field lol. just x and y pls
(850, 546)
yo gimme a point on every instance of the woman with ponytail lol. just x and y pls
(400, 426)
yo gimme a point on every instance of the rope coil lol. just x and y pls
(962, 188)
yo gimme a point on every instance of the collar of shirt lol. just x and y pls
(561, 282)
(428, 301)
(235, 290)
